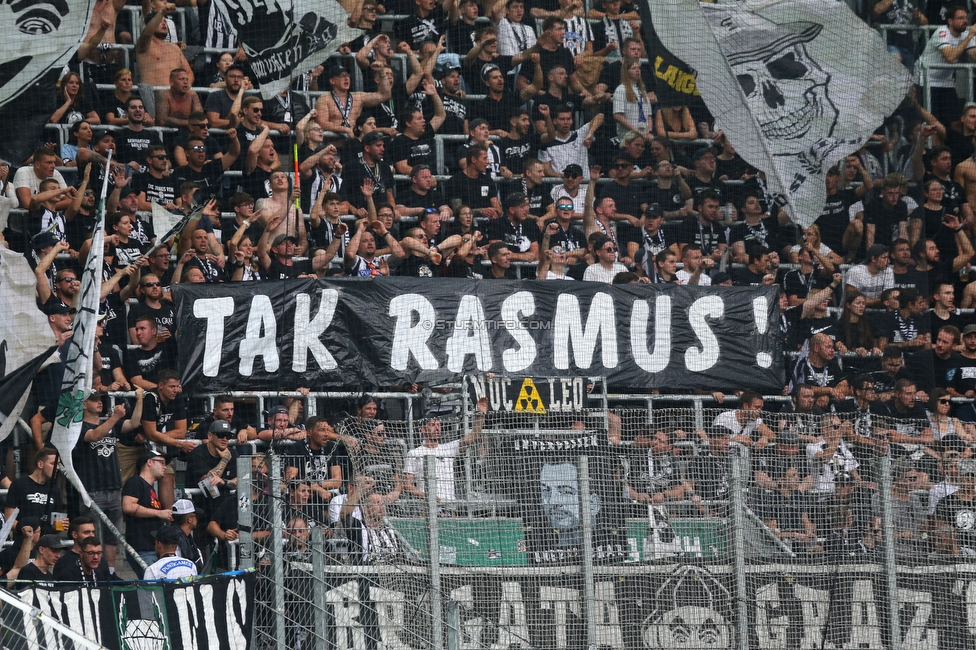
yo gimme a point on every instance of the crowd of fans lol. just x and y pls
(569, 169)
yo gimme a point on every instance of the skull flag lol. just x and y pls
(795, 85)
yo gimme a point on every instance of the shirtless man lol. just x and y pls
(173, 106)
(274, 208)
(338, 110)
(155, 58)
(107, 11)
(965, 175)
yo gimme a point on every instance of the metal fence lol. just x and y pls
(664, 528)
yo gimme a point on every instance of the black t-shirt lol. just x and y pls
(417, 267)
(515, 152)
(162, 190)
(164, 415)
(432, 199)
(909, 423)
(165, 315)
(278, 271)
(415, 152)
(133, 146)
(315, 465)
(97, 462)
(212, 273)
(953, 195)
(761, 233)
(799, 284)
(669, 198)
(964, 379)
(913, 279)
(415, 30)
(208, 178)
(474, 75)
(827, 376)
(139, 530)
(457, 112)
(353, 175)
(573, 101)
(898, 329)
(496, 112)
(35, 500)
(746, 278)
(833, 220)
(257, 184)
(518, 237)
(709, 237)
(561, 56)
(68, 569)
(473, 192)
(886, 221)
(30, 571)
(199, 462)
(148, 363)
(126, 253)
(627, 198)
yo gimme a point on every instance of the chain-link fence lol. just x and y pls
(663, 528)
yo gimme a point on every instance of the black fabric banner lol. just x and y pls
(397, 331)
(675, 80)
(210, 613)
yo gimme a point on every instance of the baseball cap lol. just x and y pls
(44, 239)
(49, 541)
(221, 427)
(448, 70)
(373, 137)
(59, 308)
(788, 438)
(515, 199)
(280, 238)
(702, 152)
(969, 329)
(127, 191)
(149, 455)
(487, 70)
(185, 507)
(277, 410)
(573, 170)
(335, 69)
(874, 251)
(476, 122)
(653, 210)
(168, 534)
(720, 277)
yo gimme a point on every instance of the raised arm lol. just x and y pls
(589, 216)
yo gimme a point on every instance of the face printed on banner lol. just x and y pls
(561, 504)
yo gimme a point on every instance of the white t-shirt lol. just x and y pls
(170, 568)
(445, 454)
(870, 285)
(939, 41)
(825, 471)
(556, 276)
(596, 273)
(703, 279)
(562, 153)
(632, 111)
(25, 177)
(728, 420)
(579, 201)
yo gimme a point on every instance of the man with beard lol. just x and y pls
(834, 219)
(373, 166)
(134, 141)
(821, 371)
(155, 184)
(670, 191)
(223, 106)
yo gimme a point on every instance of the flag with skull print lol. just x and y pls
(795, 85)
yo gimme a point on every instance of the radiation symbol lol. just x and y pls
(528, 399)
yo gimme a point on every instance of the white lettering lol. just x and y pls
(469, 337)
(608, 632)
(865, 627)
(570, 333)
(918, 636)
(410, 339)
(213, 311)
(772, 622)
(657, 360)
(344, 600)
(815, 604)
(513, 626)
(704, 307)
(473, 627)
(514, 308)
(389, 614)
(260, 319)
(307, 332)
(559, 599)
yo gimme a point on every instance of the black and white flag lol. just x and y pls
(15, 387)
(795, 85)
(285, 38)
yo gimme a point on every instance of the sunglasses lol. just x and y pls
(160, 157)
(257, 110)
(609, 249)
(565, 206)
(198, 148)
(151, 284)
(623, 166)
(944, 401)
(69, 280)
(201, 126)
(89, 192)
(225, 436)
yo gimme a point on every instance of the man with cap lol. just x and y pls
(703, 178)
(500, 102)
(374, 167)
(169, 566)
(873, 276)
(214, 465)
(59, 317)
(514, 230)
(280, 429)
(651, 239)
(277, 261)
(40, 569)
(222, 106)
(569, 146)
(455, 104)
(338, 110)
(144, 514)
(186, 519)
(567, 236)
(606, 266)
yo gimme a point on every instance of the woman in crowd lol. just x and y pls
(675, 123)
(463, 223)
(74, 106)
(942, 423)
(81, 138)
(115, 111)
(853, 329)
(811, 235)
(224, 61)
(633, 107)
(241, 261)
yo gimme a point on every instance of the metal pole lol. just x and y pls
(245, 511)
(589, 589)
(888, 534)
(453, 625)
(277, 552)
(318, 586)
(740, 466)
(434, 553)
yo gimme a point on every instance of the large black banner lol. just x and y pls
(211, 613)
(672, 607)
(396, 331)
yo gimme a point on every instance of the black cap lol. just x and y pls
(58, 308)
(127, 191)
(281, 238)
(277, 410)
(49, 541)
(373, 137)
(44, 239)
(875, 251)
(653, 210)
(448, 70)
(334, 69)
(219, 427)
(702, 152)
(514, 200)
(168, 535)
(720, 277)
(573, 170)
